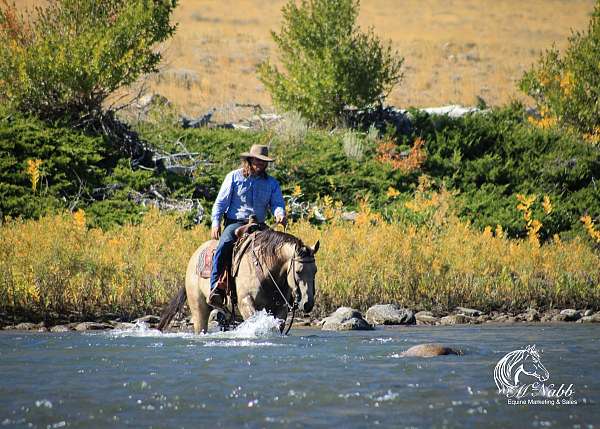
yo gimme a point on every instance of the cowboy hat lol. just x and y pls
(258, 151)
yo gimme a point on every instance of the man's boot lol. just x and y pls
(218, 294)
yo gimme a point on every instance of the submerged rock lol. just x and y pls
(345, 319)
(430, 350)
(389, 314)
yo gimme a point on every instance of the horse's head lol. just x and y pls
(532, 366)
(301, 276)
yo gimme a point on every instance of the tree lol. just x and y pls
(567, 87)
(62, 61)
(329, 63)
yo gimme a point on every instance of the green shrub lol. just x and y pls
(71, 165)
(63, 61)
(567, 87)
(329, 63)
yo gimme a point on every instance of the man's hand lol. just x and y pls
(281, 219)
(215, 232)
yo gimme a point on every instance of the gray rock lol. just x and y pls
(426, 318)
(587, 313)
(571, 314)
(560, 318)
(60, 328)
(389, 314)
(468, 311)
(27, 326)
(594, 318)
(430, 350)
(455, 319)
(531, 315)
(504, 318)
(484, 318)
(345, 319)
(92, 326)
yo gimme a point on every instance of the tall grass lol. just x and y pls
(58, 266)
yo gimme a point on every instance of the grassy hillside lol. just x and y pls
(454, 51)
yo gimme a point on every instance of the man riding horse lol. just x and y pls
(245, 192)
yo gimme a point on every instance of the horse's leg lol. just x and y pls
(246, 307)
(198, 306)
(281, 314)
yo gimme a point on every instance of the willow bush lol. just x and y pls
(566, 85)
(329, 62)
(61, 61)
(59, 266)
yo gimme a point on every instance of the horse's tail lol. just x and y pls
(172, 309)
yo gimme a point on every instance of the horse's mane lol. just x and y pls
(270, 242)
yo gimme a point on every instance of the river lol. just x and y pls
(253, 377)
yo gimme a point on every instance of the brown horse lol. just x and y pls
(276, 271)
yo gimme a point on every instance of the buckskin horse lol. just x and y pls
(275, 272)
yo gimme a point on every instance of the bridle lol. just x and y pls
(291, 268)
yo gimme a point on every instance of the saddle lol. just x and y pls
(205, 259)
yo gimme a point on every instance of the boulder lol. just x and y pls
(531, 315)
(587, 313)
(430, 350)
(92, 326)
(468, 311)
(572, 314)
(389, 314)
(27, 326)
(594, 318)
(60, 328)
(345, 319)
(455, 319)
(426, 318)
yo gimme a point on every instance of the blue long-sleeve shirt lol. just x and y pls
(241, 197)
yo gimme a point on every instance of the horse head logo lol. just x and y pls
(514, 364)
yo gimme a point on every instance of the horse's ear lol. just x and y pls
(316, 248)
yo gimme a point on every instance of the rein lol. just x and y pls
(294, 259)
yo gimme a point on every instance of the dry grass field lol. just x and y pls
(454, 50)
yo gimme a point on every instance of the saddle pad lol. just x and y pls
(205, 260)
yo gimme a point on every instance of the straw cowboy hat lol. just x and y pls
(258, 151)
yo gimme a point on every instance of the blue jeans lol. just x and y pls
(224, 250)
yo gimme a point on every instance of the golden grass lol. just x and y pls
(454, 51)
(57, 265)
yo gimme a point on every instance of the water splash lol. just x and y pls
(259, 325)
(141, 329)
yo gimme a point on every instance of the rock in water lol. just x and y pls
(345, 319)
(389, 314)
(430, 350)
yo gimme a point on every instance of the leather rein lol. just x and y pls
(295, 258)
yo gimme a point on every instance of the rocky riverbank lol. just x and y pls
(344, 318)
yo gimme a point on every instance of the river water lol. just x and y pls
(253, 377)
